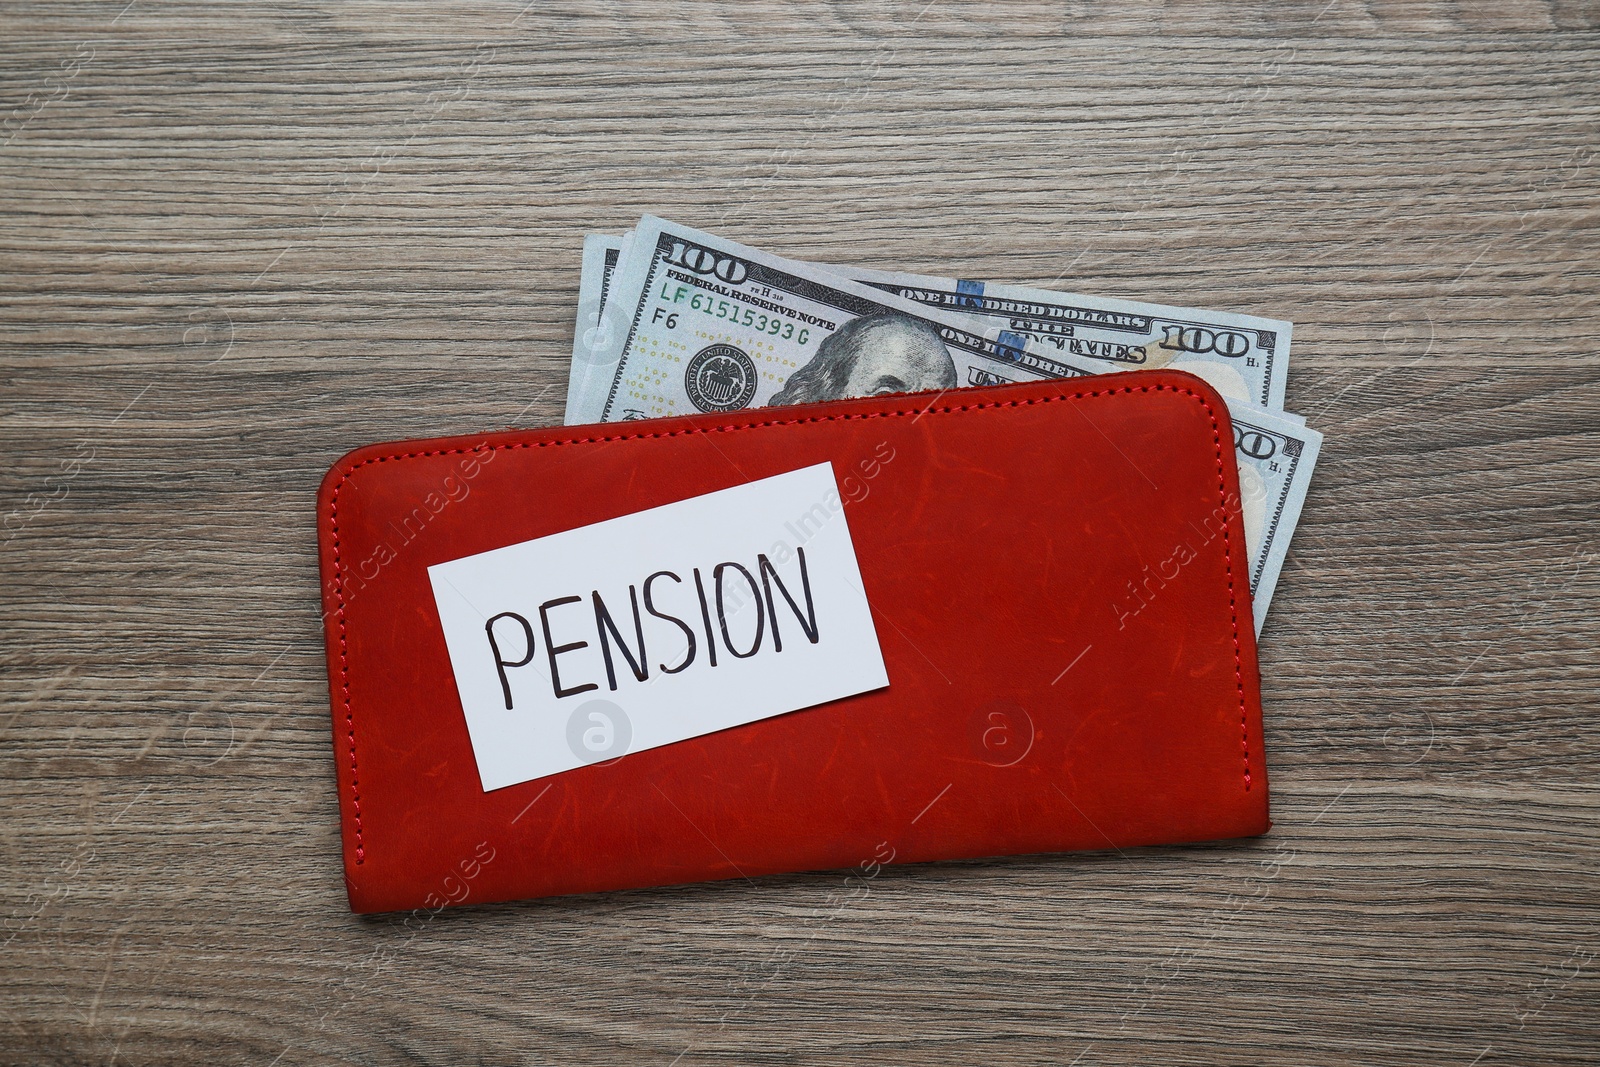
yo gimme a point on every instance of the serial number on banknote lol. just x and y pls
(719, 308)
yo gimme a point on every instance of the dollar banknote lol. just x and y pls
(1244, 357)
(1241, 356)
(1279, 455)
(694, 322)
(600, 255)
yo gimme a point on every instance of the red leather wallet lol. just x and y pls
(1056, 573)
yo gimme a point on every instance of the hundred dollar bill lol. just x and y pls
(1276, 453)
(600, 255)
(695, 322)
(1241, 356)
(1282, 454)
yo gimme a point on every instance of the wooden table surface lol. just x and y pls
(239, 240)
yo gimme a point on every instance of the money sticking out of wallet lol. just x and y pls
(675, 321)
(829, 568)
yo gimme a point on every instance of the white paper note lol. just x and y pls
(654, 627)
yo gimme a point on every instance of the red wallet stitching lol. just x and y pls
(344, 663)
(1222, 493)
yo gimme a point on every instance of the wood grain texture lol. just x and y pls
(237, 241)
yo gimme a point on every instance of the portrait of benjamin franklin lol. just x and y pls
(887, 353)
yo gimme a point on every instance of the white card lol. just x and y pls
(747, 603)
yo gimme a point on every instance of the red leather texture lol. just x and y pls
(1056, 571)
